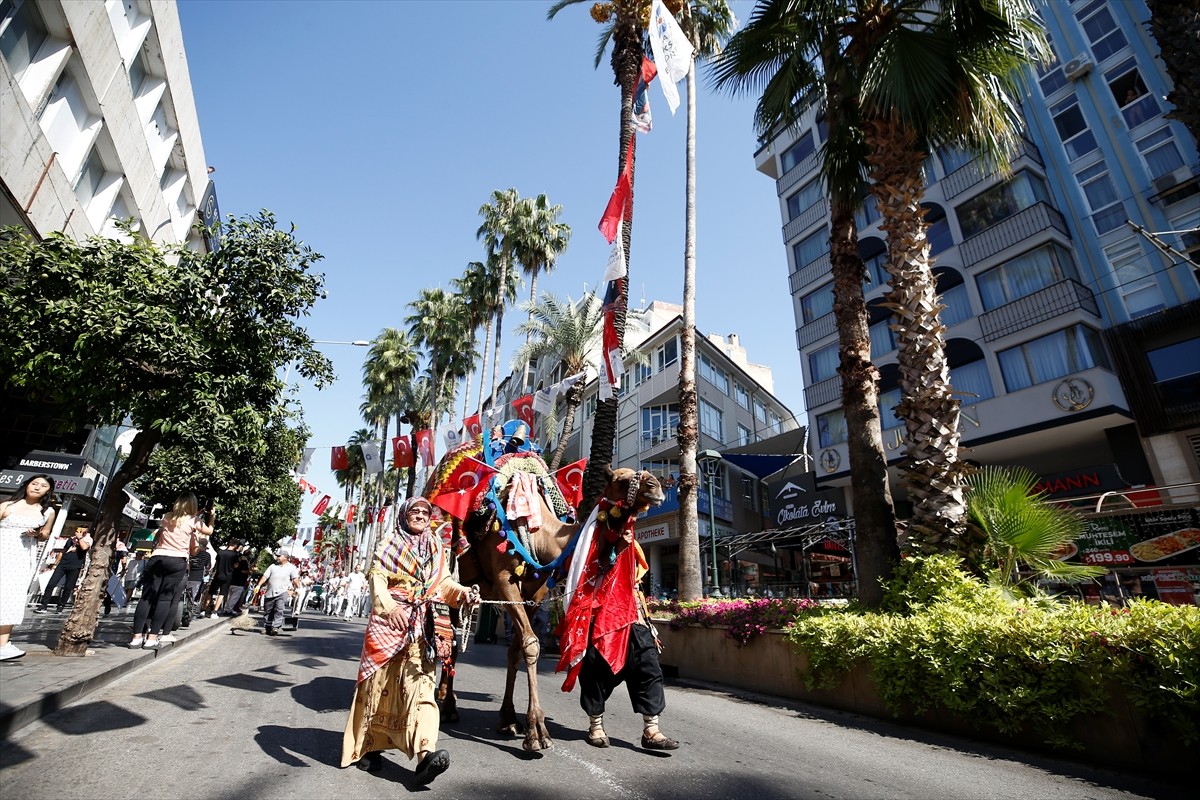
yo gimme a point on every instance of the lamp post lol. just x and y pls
(710, 462)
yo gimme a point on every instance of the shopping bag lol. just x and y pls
(116, 590)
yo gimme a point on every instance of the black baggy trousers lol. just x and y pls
(642, 676)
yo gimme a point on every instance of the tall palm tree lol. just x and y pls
(566, 331)
(542, 240)
(499, 233)
(436, 322)
(472, 287)
(625, 23)
(416, 398)
(709, 25)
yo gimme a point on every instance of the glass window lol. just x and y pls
(745, 435)
(668, 353)
(831, 428)
(742, 397)
(710, 420)
(1027, 273)
(815, 305)
(972, 381)
(665, 469)
(1052, 81)
(873, 253)
(804, 199)
(1129, 91)
(887, 409)
(802, 149)
(1050, 357)
(1108, 212)
(986, 209)
(1101, 29)
(589, 406)
(1160, 153)
(867, 212)
(749, 496)
(1177, 370)
(811, 247)
(775, 422)
(823, 363)
(952, 159)
(714, 374)
(641, 373)
(1072, 128)
(23, 36)
(659, 423)
(90, 178)
(137, 73)
(954, 297)
(1134, 270)
(883, 338)
(938, 232)
(760, 411)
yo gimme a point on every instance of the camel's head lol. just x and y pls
(632, 489)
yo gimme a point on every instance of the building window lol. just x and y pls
(953, 291)
(745, 435)
(749, 495)
(667, 354)
(741, 396)
(873, 253)
(776, 422)
(1050, 357)
(1160, 153)
(1027, 273)
(589, 406)
(137, 73)
(802, 149)
(953, 159)
(804, 199)
(713, 374)
(815, 305)
(88, 185)
(1000, 202)
(665, 469)
(641, 373)
(867, 213)
(810, 248)
(889, 396)
(823, 363)
(1134, 271)
(1052, 80)
(659, 424)
(1129, 90)
(831, 428)
(710, 420)
(969, 375)
(760, 411)
(938, 233)
(883, 338)
(1101, 29)
(24, 34)
(1108, 212)
(1176, 370)
(1072, 128)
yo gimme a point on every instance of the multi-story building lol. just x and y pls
(97, 124)
(1052, 300)
(736, 408)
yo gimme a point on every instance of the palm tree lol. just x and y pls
(416, 398)
(542, 240)
(436, 322)
(472, 287)
(567, 331)
(499, 233)
(708, 26)
(1176, 27)
(628, 20)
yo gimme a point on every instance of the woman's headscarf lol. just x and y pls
(405, 550)
(408, 505)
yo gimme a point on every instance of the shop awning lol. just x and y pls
(760, 466)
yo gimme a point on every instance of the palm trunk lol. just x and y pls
(690, 587)
(487, 344)
(528, 335)
(499, 326)
(574, 398)
(412, 471)
(80, 626)
(933, 473)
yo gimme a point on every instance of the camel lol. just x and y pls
(505, 577)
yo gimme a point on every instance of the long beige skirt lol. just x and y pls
(394, 709)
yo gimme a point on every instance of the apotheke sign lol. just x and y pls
(796, 502)
(653, 533)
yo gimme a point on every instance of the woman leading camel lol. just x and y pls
(394, 707)
(25, 521)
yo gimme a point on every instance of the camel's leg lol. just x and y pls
(511, 593)
(537, 737)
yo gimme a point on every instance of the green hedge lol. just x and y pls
(948, 640)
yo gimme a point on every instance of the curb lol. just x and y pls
(31, 709)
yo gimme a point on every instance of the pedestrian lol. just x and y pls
(223, 575)
(240, 580)
(393, 706)
(281, 580)
(166, 569)
(134, 567)
(66, 574)
(198, 567)
(606, 638)
(356, 589)
(25, 520)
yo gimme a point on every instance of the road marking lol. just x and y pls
(599, 773)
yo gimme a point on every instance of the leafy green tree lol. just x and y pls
(187, 345)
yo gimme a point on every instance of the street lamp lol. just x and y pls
(710, 462)
(287, 375)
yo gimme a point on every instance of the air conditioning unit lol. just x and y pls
(1077, 67)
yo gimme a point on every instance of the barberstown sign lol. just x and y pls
(796, 501)
(56, 464)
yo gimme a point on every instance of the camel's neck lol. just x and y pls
(553, 537)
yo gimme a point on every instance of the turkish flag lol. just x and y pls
(473, 426)
(402, 454)
(570, 482)
(524, 408)
(338, 459)
(424, 445)
(317, 536)
(350, 513)
(456, 494)
(322, 505)
(614, 212)
(312, 489)
(303, 484)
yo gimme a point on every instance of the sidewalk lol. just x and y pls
(40, 683)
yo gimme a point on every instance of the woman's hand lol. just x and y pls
(473, 598)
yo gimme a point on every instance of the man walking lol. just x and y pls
(238, 596)
(282, 579)
(67, 572)
(223, 574)
(356, 590)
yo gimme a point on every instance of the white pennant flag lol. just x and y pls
(453, 438)
(615, 268)
(569, 381)
(306, 459)
(543, 399)
(672, 51)
(371, 460)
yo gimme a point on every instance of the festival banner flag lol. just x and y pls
(402, 454)
(373, 464)
(642, 119)
(317, 535)
(614, 212)
(312, 489)
(452, 437)
(339, 459)
(322, 505)
(615, 268)
(523, 406)
(472, 426)
(350, 513)
(672, 52)
(543, 399)
(570, 482)
(306, 459)
(424, 444)
(303, 485)
(456, 494)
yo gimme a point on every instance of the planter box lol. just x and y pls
(1124, 737)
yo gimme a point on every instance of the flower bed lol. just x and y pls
(742, 619)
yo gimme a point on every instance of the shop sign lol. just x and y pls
(11, 479)
(1168, 537)
(1085, 480)
(36, 461)
(1173, 586)
(796, 501)
(653, 533)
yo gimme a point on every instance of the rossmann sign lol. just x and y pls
(796, 501)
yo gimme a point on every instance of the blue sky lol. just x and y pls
(379, 128)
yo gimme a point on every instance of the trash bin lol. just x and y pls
(485, 633)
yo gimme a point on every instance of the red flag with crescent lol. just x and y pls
(570, 482)
(424, 445)
(402, 454)
(456, 494)
(339, 459)
(303, 484)
(523, 406)
(473, 426)
(317, 534)
(350, 513)
(322, 505)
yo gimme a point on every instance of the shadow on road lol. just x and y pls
(252, 683)
(12, 754)
(183, 696)
(285, 744)
(93, 718)
(325, 694)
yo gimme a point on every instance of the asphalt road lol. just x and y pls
(246, 716)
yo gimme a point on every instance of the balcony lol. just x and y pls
(1048, 303)
(971, 174)
(1017, 228)
(823, 392)
(810, 273)
(798, 172)
(816, 330)
(652, 439)
(806, 219)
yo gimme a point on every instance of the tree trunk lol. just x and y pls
(487, 344)
(574, 398)
(933, 473)
(528, 334)
(499, 325)
(690, 587)
(80, 626)
(412, 471)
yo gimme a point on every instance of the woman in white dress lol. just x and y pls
(25, 521)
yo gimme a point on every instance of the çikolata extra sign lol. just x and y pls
(796, 501)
